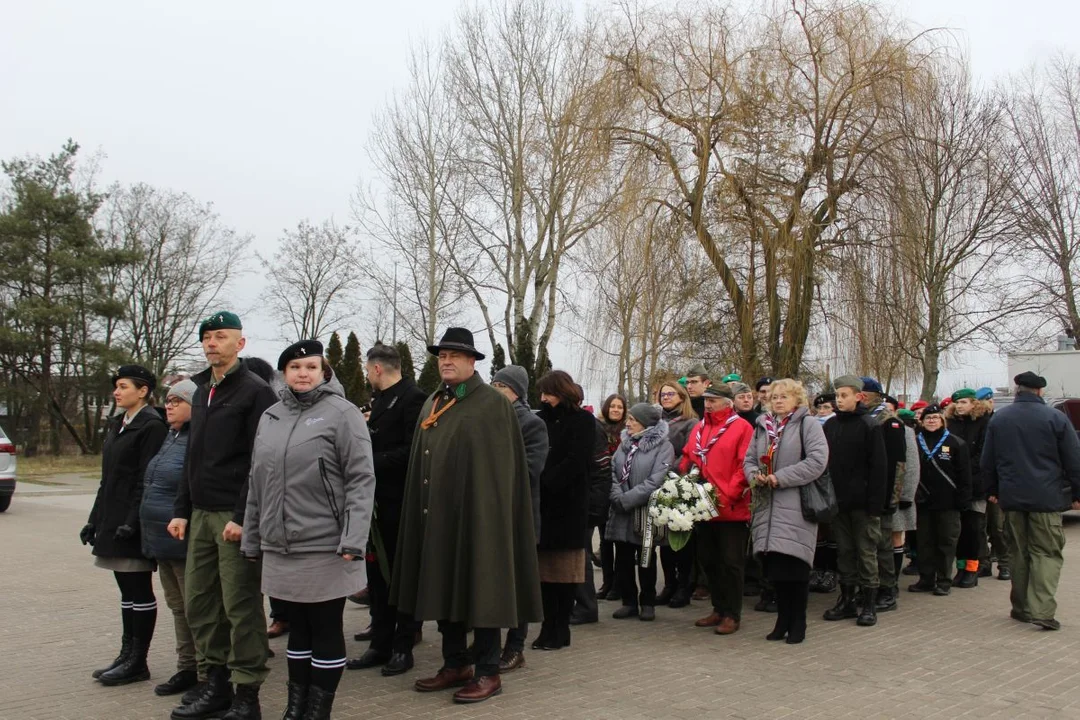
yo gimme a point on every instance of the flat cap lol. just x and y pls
(722, 390)
(1030, 380)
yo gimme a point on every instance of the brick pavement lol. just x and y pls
(959, 656)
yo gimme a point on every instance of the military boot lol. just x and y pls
(297, 703)
(125, 650)
(133, 669)
(845, 605)
(868, 613)
(216, 697)
(245, 705)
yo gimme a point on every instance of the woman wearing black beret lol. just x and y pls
(309, 506)
(131, 441)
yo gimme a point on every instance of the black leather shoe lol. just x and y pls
(216, 697)
(364, 636)
(178, 683)
(665, 596)
(245, 704)
(868, 608)
(582, 620)
(1004, 574)
(398, 664)
(886, 599)
(193, 694)
(985, 570)
(965, 579)
(369, 659)
(845, 608)
(614, 594)
(767, 603)
(680, 599)
(602, 593)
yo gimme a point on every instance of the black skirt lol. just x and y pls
(779, 567)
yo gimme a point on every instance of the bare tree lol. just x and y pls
(313, 280)
(185, 260)
(1045, 122)
(413, 223)
(520, 74)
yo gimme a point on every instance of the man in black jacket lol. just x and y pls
(392, 420)
(1031, 467)
(223, 596)
(857, 464)
(513, 382)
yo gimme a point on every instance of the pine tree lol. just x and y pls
(334, 353)
(407, 369)
(498, 359)
(429, 375)
(350, 367)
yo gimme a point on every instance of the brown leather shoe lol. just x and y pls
(510, 660)
(277, 629)
(712, 620)
(361, 598)
(444, 679)
(727, 626)
(479, 689)
(702, 593)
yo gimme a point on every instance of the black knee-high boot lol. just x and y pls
(550, 601)
(799, 593)
(782, 591)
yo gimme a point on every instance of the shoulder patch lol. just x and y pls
(895, 424)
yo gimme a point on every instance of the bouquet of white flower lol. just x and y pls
(680, 502)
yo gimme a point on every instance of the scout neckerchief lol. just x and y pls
(629, 462)
(930, 455)
(702, 452)
(879, 409)
(776, 431)
(433, 417)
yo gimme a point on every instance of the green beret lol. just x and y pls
(963, 393)
(221, 320)
(732, 378)
(905, 414)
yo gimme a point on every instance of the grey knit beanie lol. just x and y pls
(516, 378)
(646, 413)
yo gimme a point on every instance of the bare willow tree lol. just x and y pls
(766, 125)
(950, 202)
(1045, 121)
(313, 280)
(520, 75)
(414, 221)
(185, 260)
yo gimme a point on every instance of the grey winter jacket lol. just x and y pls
(779, 525)
(903, 520)
(647, 471)
(1031, 457)
(312, 482)
(534, 433)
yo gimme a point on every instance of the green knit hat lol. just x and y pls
(963, 393)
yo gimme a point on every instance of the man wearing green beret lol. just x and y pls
(224, 600)
(968, 420)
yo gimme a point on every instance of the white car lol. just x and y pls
(7, 470)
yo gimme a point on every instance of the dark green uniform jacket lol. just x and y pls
(466, 549)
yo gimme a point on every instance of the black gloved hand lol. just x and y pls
(86, 535)
(905, 504)
(124, 532)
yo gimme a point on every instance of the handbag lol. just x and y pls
(818, 498)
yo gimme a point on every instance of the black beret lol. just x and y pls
(932, 409)
(302, 349)
(1030, 380)
(762, 382)
(135, 372)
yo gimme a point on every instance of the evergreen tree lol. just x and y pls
(350, 367)
(334, 353)
(429, 375)
(407, 369)
(498, 359)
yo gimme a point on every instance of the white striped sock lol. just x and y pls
(298, 654)
(327, 664)
(125, 605)
(144, 607)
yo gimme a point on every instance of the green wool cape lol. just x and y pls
(466, 549)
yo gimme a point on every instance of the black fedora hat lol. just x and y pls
(456, 339)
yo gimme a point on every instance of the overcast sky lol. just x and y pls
(263, 107)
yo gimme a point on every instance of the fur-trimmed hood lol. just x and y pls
(979, 408)
(651, 438)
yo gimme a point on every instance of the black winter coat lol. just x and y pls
(219, 446)
(600, 487)
(567, 477)
(892, 434)
(124, 457)
(857, 461)
(163, 476)
(395, 413)
(947, 488)
(973, 432)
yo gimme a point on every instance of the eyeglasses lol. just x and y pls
(173, 402)
(668, 394)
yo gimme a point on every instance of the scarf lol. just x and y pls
(629, 462)
(702, 452)
(926, 449)
(774, 430)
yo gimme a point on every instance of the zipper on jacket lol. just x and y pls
(329, 491)
(284, 475)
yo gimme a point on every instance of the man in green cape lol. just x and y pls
(466, 550)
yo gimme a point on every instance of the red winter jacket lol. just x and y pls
(724, 462)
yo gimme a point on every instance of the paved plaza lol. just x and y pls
(959, 656)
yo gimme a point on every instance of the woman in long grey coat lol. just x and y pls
(638, 469)
(788, 451)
